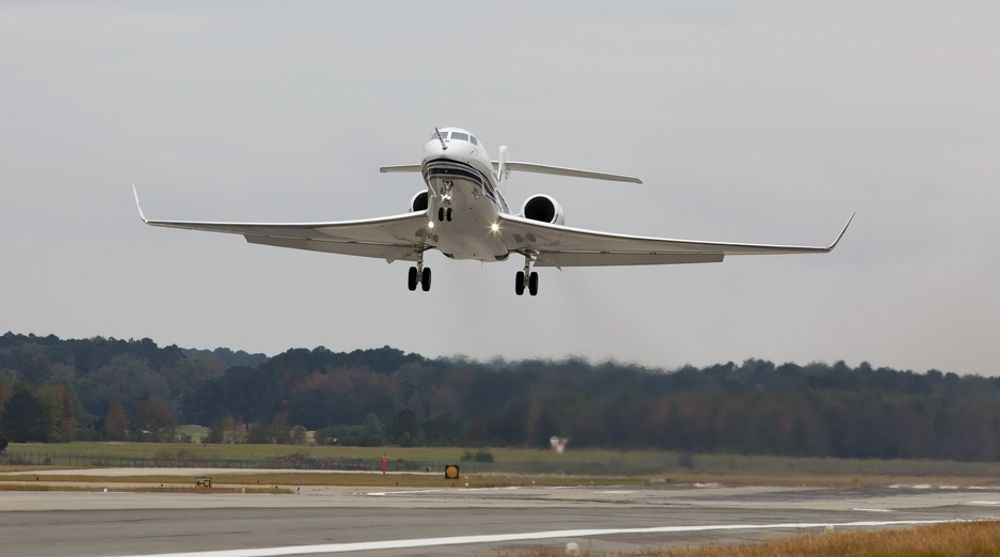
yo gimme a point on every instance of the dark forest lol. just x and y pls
(101, 388)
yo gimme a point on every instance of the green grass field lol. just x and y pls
(648, 464)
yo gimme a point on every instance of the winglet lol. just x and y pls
(841, 235)
(139, 206)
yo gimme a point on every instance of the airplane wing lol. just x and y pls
(393, 238)
(563, 246)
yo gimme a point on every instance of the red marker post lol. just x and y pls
(384, 464)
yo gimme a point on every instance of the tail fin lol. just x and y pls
(501, 166)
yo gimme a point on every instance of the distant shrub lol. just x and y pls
(3, 443)
(685, 460)
(481, 455)
(325, 436)
(303, 461)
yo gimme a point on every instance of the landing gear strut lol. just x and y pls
(444, 212)
(419, 275)
(526, 278)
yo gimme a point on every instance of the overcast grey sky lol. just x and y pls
(757, 122)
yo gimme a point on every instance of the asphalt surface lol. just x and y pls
(322, 521)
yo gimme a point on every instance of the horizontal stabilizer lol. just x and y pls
(400, 168)
(563, 171)
(529, 167)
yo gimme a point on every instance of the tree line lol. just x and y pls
(59, 390)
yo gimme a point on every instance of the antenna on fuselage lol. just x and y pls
(444, 146)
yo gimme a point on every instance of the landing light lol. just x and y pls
(430, 224)
(495, 227)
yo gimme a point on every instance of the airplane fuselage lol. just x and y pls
(464, 199)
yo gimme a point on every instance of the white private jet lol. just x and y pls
(462, 214)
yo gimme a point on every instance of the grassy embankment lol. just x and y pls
(522, 466)
(142, 489)
(969, 539)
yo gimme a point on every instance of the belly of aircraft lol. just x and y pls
(467, 235)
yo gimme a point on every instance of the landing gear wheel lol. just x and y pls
(441, 214)
(425, 279)
(533, 283)
(519, 283)
(411, 279)
(447, 214)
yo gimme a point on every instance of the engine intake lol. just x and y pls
(419, 201)
(543, 208)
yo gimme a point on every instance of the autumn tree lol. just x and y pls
(116, 422)
(281, 433)
(155, 420)
(227, 430)
(58, 403)
(259, 433)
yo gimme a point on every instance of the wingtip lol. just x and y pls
(142, 215)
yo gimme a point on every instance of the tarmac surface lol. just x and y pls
(457, 521)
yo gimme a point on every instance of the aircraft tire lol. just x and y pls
(533, 283)
(519, 283)
(411, 279)
(425, 280)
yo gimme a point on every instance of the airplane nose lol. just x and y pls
(434, 146)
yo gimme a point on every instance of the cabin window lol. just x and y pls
(460, 136)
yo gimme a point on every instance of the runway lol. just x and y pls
(328, 521)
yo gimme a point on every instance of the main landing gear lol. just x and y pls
(419, 275)
(526, 278)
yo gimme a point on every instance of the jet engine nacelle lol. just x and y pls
(419, 201)
(543, 208)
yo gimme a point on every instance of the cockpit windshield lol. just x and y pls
(457, 136)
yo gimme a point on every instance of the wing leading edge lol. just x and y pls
(563, 246)
(393, 238)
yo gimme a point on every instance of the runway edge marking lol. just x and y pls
(525, 536)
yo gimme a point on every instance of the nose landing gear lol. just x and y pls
(444, 212)
(526, 278)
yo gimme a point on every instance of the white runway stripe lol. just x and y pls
(525, 536)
